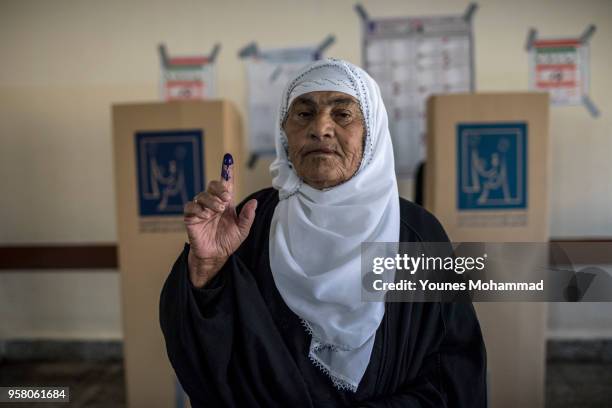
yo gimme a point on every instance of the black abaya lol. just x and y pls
(235, 343)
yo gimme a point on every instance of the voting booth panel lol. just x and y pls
(164, 153)
(487, 180)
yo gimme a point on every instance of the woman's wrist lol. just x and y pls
(202, 270)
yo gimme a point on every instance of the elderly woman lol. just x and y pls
(262, 307)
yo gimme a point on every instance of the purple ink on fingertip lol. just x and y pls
(228, 160)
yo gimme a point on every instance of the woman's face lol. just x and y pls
(325, 131)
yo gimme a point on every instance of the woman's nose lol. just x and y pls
(322, 126)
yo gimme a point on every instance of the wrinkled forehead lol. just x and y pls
(319, 99)
(331, 78)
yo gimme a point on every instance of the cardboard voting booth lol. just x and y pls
(487, 180)
(164, 153)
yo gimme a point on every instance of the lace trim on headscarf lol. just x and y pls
(341, 383)
(322, 345)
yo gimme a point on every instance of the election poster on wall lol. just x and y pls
(412, 58)
(185, 78)
(561, 68)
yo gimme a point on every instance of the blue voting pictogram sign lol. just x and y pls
(170, 170)
(492, 166)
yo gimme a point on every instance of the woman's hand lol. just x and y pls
(214, 229)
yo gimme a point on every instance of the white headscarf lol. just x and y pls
(316, 235)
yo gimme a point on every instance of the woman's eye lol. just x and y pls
(304, 115)
(343, 115)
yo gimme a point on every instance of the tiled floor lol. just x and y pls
(100, 384)
(92, 384)
(578, 385)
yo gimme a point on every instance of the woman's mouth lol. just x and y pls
(321, 151)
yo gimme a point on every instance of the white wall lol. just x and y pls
(60, 305)
(63, 63)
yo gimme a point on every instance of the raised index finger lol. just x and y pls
(227, 174)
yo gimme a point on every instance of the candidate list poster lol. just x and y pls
(411, 59)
